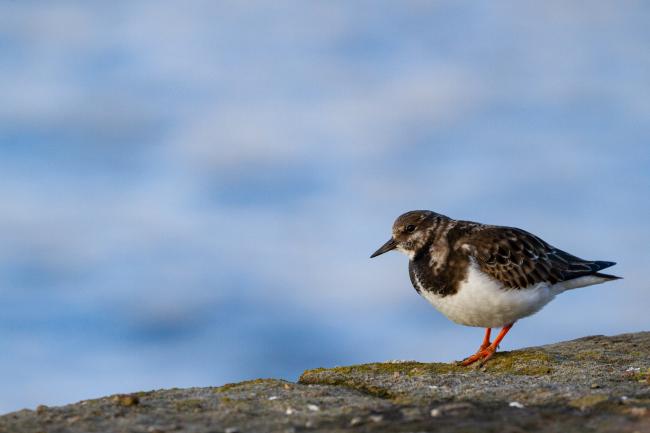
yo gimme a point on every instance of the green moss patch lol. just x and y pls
(389, 368)
(247, 383)
(588, 401)
(353, 382)
(521, 362)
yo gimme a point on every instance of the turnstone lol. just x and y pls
(484, 275)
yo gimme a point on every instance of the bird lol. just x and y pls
(483, 275)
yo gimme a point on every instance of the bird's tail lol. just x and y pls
(607, 277)
(595, 277)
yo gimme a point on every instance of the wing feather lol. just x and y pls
(520, 259)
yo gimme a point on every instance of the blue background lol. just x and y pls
(190, 190)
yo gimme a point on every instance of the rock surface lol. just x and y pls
(593, 384)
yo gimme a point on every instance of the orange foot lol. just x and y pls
(483, 354)
(486, 350)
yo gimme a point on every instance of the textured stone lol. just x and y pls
(593, 384)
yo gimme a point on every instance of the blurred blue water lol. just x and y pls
(190, 195)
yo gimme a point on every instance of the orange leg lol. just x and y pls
(484, 346)
(487, 350)
(486, 339)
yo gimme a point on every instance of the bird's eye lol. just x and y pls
(410, 228)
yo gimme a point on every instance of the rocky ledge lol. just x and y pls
(593, 384)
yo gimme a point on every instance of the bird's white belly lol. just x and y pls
(480, 301)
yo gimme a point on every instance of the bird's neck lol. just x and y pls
(431, 265)
(434, 239)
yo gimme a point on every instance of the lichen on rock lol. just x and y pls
(593, 384)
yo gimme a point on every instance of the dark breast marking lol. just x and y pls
(443, 278)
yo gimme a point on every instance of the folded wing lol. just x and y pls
(520, 259)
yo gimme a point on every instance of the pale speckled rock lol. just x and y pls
(594, 384)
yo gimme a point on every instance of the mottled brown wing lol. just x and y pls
(520, 259)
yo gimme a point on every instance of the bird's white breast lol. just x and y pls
(482, 301)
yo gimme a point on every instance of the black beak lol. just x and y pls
(390, 245)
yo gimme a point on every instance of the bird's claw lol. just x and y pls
(483, 355)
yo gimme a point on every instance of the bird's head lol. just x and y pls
(411, 231)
